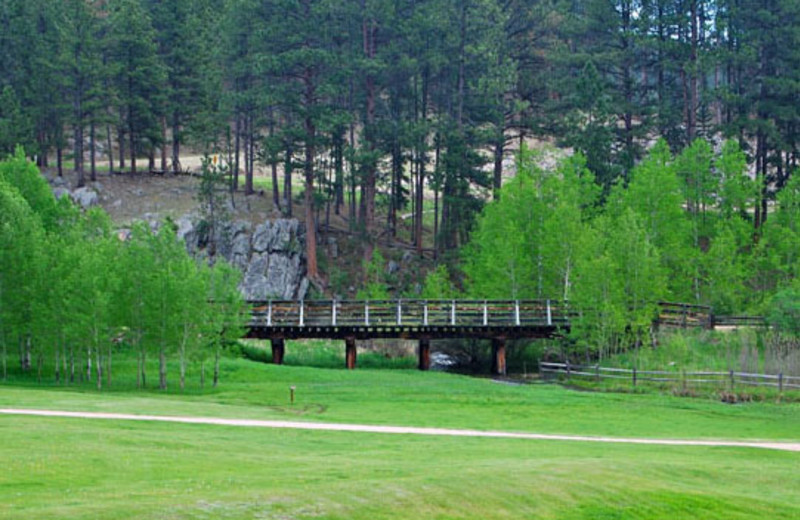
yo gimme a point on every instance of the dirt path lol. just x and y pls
(785, 446)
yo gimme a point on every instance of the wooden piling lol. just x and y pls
(350, 353)
(424, 354)
(499, 356)
(278, 350)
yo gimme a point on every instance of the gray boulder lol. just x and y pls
(262, 237)
(285, 236)
(241, 244)
(274, 276)
(85, 197)
(269, 256)
(60, 192)
(302, 291)
(56, 181)
(254, 284)
(226, 236)
(187, 231)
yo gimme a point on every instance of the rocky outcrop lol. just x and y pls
(269, 256)
(84, 197)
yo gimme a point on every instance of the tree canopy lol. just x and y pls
(74, 292)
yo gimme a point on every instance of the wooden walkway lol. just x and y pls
(426, 320)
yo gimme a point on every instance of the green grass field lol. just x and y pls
(70, 468)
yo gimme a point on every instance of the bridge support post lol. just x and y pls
(350, 353)
(278, 349)
(499, 356)
(424, 354)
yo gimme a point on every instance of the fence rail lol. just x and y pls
(730, 378)
(740, 321)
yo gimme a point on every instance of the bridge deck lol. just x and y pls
(424, 320)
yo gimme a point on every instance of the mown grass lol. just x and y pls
(81, 469)
(413, 398)
(66, 468)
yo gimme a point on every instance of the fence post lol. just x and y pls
(366, 313)
(302, 314)
(733, 381)
(269, 314)
(597, 373)
(425, 313)
(485, 313)
(399, 312)
(634, 377)
(568, 371)
(516, 313)
(549, 315)
(685, 310)
(453, 313)
(780, 382)
(333, 313)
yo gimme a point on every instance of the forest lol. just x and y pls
(383, 107)
(675, 121)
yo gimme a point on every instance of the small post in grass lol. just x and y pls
(291, 394)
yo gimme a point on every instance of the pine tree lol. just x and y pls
(138, 74)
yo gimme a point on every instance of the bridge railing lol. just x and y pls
(462, 313)
(409, 313)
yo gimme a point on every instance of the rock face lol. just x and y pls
(270, 256)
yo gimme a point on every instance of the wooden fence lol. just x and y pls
(730, 379)
(739, 321)
(685, 315)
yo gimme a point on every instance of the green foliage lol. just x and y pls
(145, 293)
(15, 128)
(589, 128)
(375, 286)
(25, 178)
(211, 194)
(439, 285)
(784, 311)
(678, 231)
(525, 245)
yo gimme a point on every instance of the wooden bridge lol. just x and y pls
(426, 320)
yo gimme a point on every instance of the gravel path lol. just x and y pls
(297, 425)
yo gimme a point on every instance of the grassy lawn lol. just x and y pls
(412, 398)
(68, 468)
(76, 469)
